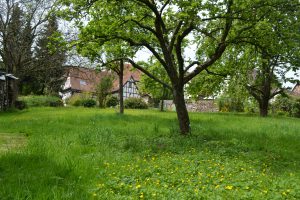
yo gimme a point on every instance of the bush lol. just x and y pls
(39, 101)
(295, 112)
(21, 105)
(78, 98)
(112, 101)
(282, 104)
(230, 105)
(288, 106)
(77, 103)
(57, 103)
(88, 103)
(135, 103)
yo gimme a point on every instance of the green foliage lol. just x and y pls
(76, 153)
(37, 101)
(149, 86)
(205, 85)
(49, 59)
(20, 105)
(103, 89)
(296, 108)
(230, 105)
(287, 106)
(135, 103)
(88, 103)
(77, 98)
(112, 101)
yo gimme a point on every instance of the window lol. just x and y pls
(130, 84)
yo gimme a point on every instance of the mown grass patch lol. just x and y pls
(81, 153)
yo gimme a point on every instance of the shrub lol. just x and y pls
(282, 104)
(135, 103)
(288, 106)
(88, 103)
(39, 101)
(295, 111)
(230, 105)
(77, 99)
(112, 101)
(57, 103)
(20, 105)
(78, 103)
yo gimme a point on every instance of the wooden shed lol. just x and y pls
(5, 80)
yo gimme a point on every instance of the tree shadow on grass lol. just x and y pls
(25, 176)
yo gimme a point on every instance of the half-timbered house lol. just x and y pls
(80, 80)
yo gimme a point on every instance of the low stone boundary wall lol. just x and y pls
(205, 105)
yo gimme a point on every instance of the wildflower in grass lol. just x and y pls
(265, 191)
(138, 186)
(94, 194)
(141, 195)
(229, 187)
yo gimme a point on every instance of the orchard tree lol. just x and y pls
(166, 29)
(156, 90)
(50, 56)
(103, 89)
(269, 52)
(20, 23)
(109, 56)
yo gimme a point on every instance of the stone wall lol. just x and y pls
(205, 105)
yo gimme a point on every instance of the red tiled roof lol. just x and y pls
(86, 79)
(129, 72)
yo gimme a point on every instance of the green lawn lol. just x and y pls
(78, 153)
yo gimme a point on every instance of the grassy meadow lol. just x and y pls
(81, 153)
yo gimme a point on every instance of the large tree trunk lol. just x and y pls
(12, 93)
(121, 87)
(263, 107)
(162, 105)
(181, 110)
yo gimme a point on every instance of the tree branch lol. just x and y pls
(220, 48)
(137, 66)
(178, 46)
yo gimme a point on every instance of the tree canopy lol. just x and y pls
(167, 28)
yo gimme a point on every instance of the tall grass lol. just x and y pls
(81, 153)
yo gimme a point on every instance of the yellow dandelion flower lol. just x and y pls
(229, 187)
(142, 195)
(283, 193)
(138, 186)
